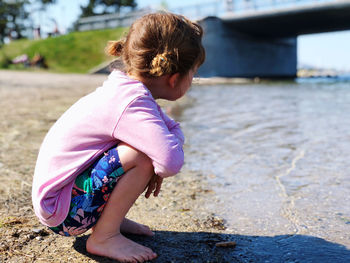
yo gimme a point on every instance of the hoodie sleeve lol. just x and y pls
(173, 126)
(142, 126)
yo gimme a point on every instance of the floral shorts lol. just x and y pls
(90, 194)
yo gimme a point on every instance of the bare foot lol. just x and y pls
(120, 248)
(130, 227)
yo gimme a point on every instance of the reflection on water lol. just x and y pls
(277, 154)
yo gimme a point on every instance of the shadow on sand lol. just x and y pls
(200, 247)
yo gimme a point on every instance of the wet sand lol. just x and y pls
(30, 102)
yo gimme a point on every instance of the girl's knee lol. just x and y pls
(131, 157)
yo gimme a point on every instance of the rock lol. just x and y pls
(4, 247)
(40, 232)
(214, 223)
(36, 230)
(30, 236)
(226, 244)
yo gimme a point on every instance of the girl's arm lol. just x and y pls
(142, 126)
(173, 126)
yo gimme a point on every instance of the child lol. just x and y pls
(116, 142)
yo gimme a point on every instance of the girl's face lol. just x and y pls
(169, 87)
(184, 84)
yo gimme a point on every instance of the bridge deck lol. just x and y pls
(293, 21)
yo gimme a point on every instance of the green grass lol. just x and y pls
(76, 52)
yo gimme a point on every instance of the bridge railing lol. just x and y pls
(252, 5)
(220, 7)
(110, 20)
(195, 11)
(199, 11)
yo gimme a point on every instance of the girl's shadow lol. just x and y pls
(201, 247)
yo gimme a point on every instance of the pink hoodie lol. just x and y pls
(122, 109)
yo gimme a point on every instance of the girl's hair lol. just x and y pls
(159, 44)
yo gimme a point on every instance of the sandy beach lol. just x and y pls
(185, 231)
(277, 177)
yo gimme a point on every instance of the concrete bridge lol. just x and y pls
(248, 38)
(263, 42)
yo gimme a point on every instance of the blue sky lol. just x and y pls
(327, 50)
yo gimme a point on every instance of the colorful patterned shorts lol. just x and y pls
(90, 194)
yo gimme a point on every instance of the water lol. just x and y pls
(276, 154)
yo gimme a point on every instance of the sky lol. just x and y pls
(326, 50)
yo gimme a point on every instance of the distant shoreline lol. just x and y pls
(321, 73)
(11, 77)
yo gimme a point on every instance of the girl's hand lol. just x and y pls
(154, 183)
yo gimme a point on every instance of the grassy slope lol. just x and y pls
(75, 52)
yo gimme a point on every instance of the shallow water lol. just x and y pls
(277, 155)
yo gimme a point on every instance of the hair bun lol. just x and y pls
(162, 64)
(115, 48)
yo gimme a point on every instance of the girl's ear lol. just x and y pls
(173, 79)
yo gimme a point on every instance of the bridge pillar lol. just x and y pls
(230, 53)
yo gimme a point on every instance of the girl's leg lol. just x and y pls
(106, 239)
(130, 227)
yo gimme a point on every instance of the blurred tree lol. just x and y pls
(14, 15)
(164, 5)
(3, 21)
(12, 19)
(89, 9)
(107, 7)
(48, 1)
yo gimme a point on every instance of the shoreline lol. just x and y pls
(69, 79)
